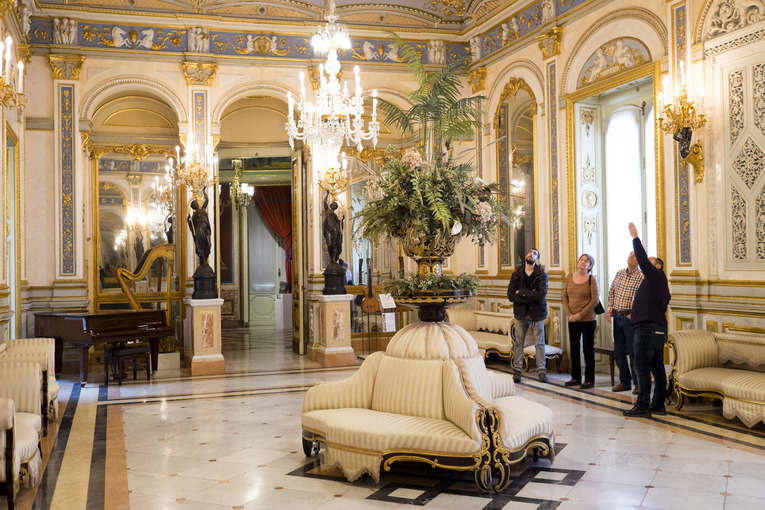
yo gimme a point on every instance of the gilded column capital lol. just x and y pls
(549, 42)
(6, 6)
(477, 79)
(25, 55)
(199, 73)
(66, 67)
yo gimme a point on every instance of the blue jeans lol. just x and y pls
(534, 332)
(624, 339)
(649, 354)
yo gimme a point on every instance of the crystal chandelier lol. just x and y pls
(241, 192)
(336, 115)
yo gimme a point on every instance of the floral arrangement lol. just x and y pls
(426, 198)
(420, 198)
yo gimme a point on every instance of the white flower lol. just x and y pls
(483, 210)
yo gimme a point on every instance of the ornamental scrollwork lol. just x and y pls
(738, 224)
(758, 96)
(760, 233)
(736, 104)
(749, 163)
(612, 58)
(731, 15)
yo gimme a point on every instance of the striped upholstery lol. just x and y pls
(412, 387)
(502, 384)
(42, 358)
(47, 345)
(7, 421)
(432, 340)
(20, 381)
(742, 349)
(476, 379)
(710, 378)
(376, 432)
(490, 330)
(458, 407)
(695, 349)
(462, 317)
(522, 420)
(356, 391)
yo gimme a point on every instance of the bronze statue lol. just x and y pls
(332, 230)
(138, 246)
(199, 224)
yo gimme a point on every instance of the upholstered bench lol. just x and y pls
(725, 366)
(428, 398)
(490, 330)
(552, 353)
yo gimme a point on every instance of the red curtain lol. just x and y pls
(275, 206)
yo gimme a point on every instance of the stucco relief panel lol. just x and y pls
(760, 222)
(758, 96)
(736, 104)
(749, 162)
(738, 225)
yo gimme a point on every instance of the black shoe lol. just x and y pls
(517, 376)
(659, 410)
(637, 411)
(572, 382)
(542, 377)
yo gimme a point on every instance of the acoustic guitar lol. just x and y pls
(370, 304)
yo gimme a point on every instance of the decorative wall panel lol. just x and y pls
(552, 107)
(736, 104)
(503, 180)
(682, 169)
(66, 142)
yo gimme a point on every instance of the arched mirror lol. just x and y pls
(515, 126)
(134, 211)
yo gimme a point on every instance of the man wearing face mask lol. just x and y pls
(527, 291)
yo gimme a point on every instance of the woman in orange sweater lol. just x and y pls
(580, 296)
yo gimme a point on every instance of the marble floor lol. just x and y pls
(233, 442)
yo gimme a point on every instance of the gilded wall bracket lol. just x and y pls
(66, 67)
(199, 73)
(549, 42)
(477, 79)
(696, 159)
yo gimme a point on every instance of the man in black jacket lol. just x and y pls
(649, 321)
(527, 291)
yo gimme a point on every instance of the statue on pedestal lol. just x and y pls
(199, 224)
(332, 231)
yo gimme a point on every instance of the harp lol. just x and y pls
(166, 251)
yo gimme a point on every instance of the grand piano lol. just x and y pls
(85, 329)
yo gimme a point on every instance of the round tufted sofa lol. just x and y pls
(428, 398)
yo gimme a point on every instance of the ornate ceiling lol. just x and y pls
(443, 14)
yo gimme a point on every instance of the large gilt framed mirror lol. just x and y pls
(132, 215)
(515, 124)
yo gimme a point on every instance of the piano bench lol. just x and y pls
(116, 356)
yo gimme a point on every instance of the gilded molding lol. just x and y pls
(66, 67)
(138, 151)
(519, 159)
(366, 154)
(549, 42)
(511, 88)
(199, 73)
(477, 79)
(86, 143)
(132, 83)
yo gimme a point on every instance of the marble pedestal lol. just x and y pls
(333, 348)
(202, 339)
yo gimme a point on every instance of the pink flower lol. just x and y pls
(483, 210)
(412, 158)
